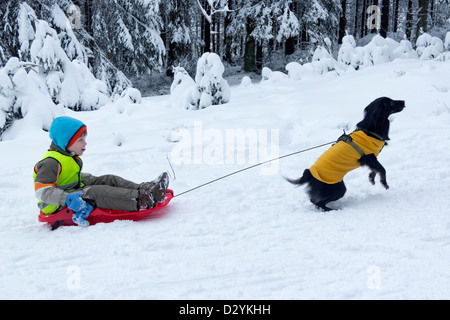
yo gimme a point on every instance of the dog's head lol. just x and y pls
(376, 115)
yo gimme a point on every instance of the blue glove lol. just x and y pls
(74, 201)
(80, 207)
(79, 218)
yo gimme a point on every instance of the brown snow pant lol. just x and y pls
(111, 192)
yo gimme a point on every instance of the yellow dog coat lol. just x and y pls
(341, 158)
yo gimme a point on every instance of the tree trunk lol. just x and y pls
(228, 41)
(408, 20)
(88, 6)
(206, 26)
(384, 18)
(423, 15)
(363, 18)
(259, 57)
(249, 55)
(342, 21)
(396, 15)
(289, 46)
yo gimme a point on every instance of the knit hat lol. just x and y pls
(64, 131)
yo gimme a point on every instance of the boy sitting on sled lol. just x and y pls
(59, 182)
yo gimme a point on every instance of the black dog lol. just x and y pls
(361, 148)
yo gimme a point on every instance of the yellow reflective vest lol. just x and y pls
(68, 177)
(341, 158)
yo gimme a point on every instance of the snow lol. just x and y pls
(447, 41)
(294, 70)
(26, 32)
(429, 47)
(347, 53)
(180, 89)
(289, 25)
(250, 235)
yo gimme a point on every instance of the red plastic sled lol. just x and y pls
(64, 217)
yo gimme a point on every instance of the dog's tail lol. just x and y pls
(302, 180)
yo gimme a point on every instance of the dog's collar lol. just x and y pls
(375, 135)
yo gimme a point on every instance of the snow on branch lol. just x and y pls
(207, 16)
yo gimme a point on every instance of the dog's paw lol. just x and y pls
(372, 177)
(383, 180)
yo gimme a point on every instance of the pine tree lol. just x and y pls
(252, 25)
(321, 20)
(176, 33)
(210, 88)
(128, 32)
(9, 42)
(287, 21)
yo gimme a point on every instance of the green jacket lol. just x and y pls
(57, 174)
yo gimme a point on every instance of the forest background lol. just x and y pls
(138, 42)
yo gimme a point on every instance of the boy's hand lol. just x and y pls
(80, 207)
(75, 203)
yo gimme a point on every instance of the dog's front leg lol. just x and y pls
(371, 161)
(372, 175)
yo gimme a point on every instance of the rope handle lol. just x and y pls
(247, 168)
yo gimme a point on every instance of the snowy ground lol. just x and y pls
(252, 235)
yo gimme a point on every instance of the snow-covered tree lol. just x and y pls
(180, 90)
(68, 40)
(321, 20)
(209, 87)
(177, 33)
(447, 41)
(323, 61)
(347, 55)
(49, 73)
(288, 24)
(9, 42)
(429, 47)
(252, 25)
(405, 50)
(129, 32)
(24, 95)
(69, 81)
(8, 111)
(378, 51)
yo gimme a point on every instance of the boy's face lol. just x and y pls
(79, 146)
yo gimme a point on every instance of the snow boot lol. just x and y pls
(160, 187)
(145, 199)
(155, 189)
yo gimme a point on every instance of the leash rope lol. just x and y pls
(247, 168)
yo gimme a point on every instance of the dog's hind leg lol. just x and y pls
(322, 205)
(321, 194)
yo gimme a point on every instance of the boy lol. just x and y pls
(59, 182)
